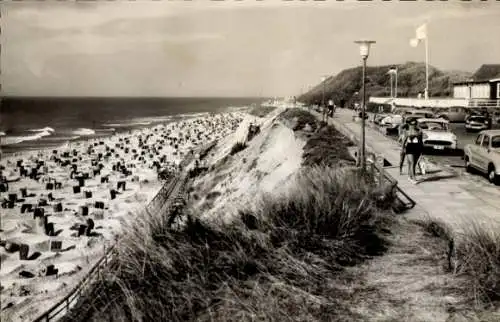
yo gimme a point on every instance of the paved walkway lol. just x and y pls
(442, 194)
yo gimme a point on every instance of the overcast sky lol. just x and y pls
(227, 48)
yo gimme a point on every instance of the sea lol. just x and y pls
(28, 123)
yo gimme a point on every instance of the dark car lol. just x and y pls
(477, 123)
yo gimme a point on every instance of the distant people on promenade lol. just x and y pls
(331, 107)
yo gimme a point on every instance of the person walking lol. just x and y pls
(413, 147)
(330, 107)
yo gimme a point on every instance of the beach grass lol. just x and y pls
(261, 111)
(473, 255)
(279, 260)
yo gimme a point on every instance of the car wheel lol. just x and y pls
(468, 168)
(492, 177)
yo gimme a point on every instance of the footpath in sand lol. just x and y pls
(456, 201)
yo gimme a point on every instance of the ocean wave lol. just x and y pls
(65, 138)
(107, 130)
(8, 140)
(84, 131)
(126, 124)
(45, 129)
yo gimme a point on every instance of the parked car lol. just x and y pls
(391, 123)
(453, 114)
(378, 118)
(477, 123)
(436, 134)
(484, 155)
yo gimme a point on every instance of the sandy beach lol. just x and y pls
(61, 208)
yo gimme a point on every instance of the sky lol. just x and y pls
(226, 48)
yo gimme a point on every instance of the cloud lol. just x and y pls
(447, 11)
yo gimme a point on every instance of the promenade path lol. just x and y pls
(441, 194)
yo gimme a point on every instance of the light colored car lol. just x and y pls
(436, 134)
(391, 123)
(453, 114)
(484, 155)
(419, 113)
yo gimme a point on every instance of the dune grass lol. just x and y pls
(276, 261)
(329, 147)
(261, 111)
(299, 118)
(475, 255)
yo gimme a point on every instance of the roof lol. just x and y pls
(487, 72)
(490, 132)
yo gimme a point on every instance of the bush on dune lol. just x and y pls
(300, 118)
(261, 111)
(278, 262)
(327, 146)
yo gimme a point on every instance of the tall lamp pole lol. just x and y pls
(393, 71)
(323, 80)
(364, 51)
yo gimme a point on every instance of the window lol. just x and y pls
(495, 142)
(486, 141)
(479, 138)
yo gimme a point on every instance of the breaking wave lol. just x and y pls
(8, 140)
(84, 131)
(45, 129)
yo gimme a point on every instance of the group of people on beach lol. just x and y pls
(412, 149)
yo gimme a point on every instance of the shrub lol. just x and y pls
(261, 111)
(300, 118)
(327, 146)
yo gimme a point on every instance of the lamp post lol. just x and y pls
(364, 51)
(323, 79)
(393, 71)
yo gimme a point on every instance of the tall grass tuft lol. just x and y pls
(478, 256)
(278, 260)
(473, 254)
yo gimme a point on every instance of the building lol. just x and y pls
(484, 85)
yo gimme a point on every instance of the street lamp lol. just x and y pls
(364, 51)
(394, 71)
(323, 81)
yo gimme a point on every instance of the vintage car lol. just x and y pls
(477, 123)
(377, 118)
(484, 155)
(453, 114)
(436, 134)
(419, 113)
(391, 123)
